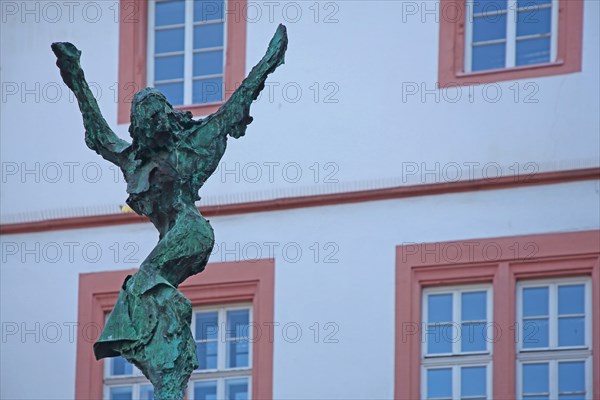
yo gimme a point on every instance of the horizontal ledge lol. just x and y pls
(519, 68)
(544, 178)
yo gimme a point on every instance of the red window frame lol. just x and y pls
(452, 47)
(501, 262)
(133, 35)
(218, 284)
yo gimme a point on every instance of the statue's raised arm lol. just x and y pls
(98, 135)
(234, 115)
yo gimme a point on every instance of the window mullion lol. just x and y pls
(519, 320)
(425, 324)
(511, 33)
(193, 326)
(589, 379)
(489, 319)
(188, 52)
(553, 379)
(250, 339)
(468, 36)
(554, 32)
(456, 379)
(457, 321)
(587, 314)
(519, 379)
(222, 338)
(221, 388)
(423, 381)
(489, 380)
(150, 45)
(553, 316)
(225, 47)
(249, 388)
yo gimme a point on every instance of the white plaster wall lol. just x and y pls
(373, 50)
(356, 292)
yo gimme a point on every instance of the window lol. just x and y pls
(555, 380)
(193, 51)
(540, 301)
(457, 349)
(509, 33)
(483, 41)
(470, 382)
(128, 392)
(186, 48)
(245, 291)
(123, 381)
(554, 350)
(224, 355)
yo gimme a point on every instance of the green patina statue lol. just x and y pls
(169, 159)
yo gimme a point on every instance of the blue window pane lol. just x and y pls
(236, 389)
(473, 381)
(537, 398)
(208, 63)
(535, 378)
(535, 333)
(532, 3)
(146, 392)
(571, 397)
(207, 90)
(168, 68)
(571, 331)
(488, 6)
(120, 366)
(439, 307)
(207, 325)
(208, 10)
(473, 306)
(439, 339)
(207, 355)
(571, 299)
(168, 40)
(172, 91)
(170, 12)
(533, 51)
(533, 22)
(488, 57)
(439, 383)
(571, 376)
(205, 390)
(535, 302)
(237, 353)
(121, 393)
(473, 337)
(238, 323)
(489, 28)
(211, 35)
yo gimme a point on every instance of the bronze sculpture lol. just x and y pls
(168, 161)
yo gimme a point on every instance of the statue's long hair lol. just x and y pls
(154, 122)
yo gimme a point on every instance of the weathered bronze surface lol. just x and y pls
(169, 159)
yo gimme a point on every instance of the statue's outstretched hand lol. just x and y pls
(278, 45)
(67, 60)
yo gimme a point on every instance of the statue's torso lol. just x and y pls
(160, 182)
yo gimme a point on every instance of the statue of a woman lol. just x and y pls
(170, 157)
